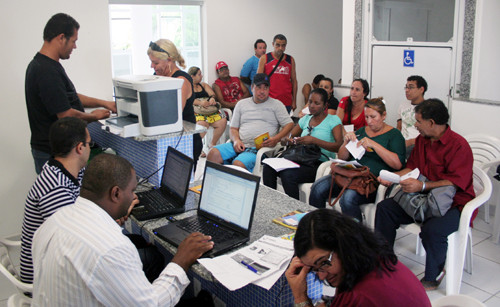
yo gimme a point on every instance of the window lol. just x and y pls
(134, 26)
(413, 20)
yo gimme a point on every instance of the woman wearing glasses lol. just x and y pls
(318, 128)
(349, 256)
(164, 58)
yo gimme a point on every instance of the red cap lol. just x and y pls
(220, 65)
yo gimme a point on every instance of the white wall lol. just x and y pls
(21, 28)
(485, 62)
(313, 29)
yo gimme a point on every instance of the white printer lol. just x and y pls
(147, 105)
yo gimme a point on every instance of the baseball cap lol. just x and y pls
(219, 65)
(261, 78)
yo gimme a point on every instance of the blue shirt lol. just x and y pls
(250, 69)
(323, 131)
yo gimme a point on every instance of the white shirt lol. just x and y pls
(81, 258)
(407, 116)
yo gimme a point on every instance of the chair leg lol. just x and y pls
(487, 212)
(419, 247)
(468, 254)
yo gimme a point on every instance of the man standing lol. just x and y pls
(50, 94)
(444, 158)
(252, 64)
(81, 256)
(228, 90)
(253, 117)
(415, 88)
(58, 184)
(280, 68)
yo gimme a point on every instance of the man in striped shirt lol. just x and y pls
(58, 184)
(82, 258)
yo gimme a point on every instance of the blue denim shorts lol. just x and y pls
(229, 155)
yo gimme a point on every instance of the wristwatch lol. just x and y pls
(303, 304)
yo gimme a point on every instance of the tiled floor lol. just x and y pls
(483, 284)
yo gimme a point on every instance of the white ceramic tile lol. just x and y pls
(481, 225)
(414, 266)
(484, 275)
(406, 247)
(493, 301)
(489, 250)
(479, 236)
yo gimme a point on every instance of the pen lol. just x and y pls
(251, 268)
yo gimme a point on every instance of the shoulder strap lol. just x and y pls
(277, 64)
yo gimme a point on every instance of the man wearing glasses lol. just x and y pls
(415, 88)
(58, 184)
(50, 94)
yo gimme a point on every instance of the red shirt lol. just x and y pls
(231, 90)
(381, 289)
(281, 80)
(358, 122)
(449, 158)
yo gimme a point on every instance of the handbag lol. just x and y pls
(206, 110)
(422, 206)
(359, 179)
(307, 155)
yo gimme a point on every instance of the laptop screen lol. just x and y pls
(228, 195)
(176, 173)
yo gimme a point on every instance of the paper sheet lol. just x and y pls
(354, 150)
(280, 164)
(261, 263)
(395, 178)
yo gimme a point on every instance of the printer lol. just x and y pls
(147, 105)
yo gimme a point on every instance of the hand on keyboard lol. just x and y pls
(195, 245)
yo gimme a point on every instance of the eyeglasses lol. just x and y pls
(324, 265)
(410, 87)
(155, 47)
(91, 143)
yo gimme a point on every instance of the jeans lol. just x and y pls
(290, 178)
(349, 201)
(434, 232)
(40, 158)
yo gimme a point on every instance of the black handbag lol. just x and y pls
(307, 155)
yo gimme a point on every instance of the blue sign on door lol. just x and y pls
(409, 58)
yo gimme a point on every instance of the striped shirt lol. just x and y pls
(54, 188)
(81, 258)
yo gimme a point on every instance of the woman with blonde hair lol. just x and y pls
(164, 58)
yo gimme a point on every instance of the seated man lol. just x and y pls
(81, 256)
(415, 88)
(444, 158)
(252, 117)
(228, 90)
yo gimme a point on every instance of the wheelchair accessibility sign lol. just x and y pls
(409, 58)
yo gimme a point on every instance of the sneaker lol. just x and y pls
(430, 285)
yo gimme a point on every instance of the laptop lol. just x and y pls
(225, 211)
(170, 197)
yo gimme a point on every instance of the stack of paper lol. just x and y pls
(280, 164)
(261, 263)
(395, 178)
(354, 150)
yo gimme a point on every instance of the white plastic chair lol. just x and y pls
(210, 131)
(457, 300)
(459, 254)
(486, 151)
(305, 188)
(270, 152)
(19, 300)
(7, 267)
(369, 210)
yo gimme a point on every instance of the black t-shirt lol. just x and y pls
(48, 91)
(333, 103)
(188, 112)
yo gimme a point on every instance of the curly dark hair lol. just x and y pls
(359, 249)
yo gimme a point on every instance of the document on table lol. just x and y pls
(261, 263)
(280, 164)
(395, 178)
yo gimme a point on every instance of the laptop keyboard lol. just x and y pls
(156, 201)
(208, 228)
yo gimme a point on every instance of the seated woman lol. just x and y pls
(205, 96)
(332, 102)
(385, 149)
(317, 128)
(350, 257)
(351, 107)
